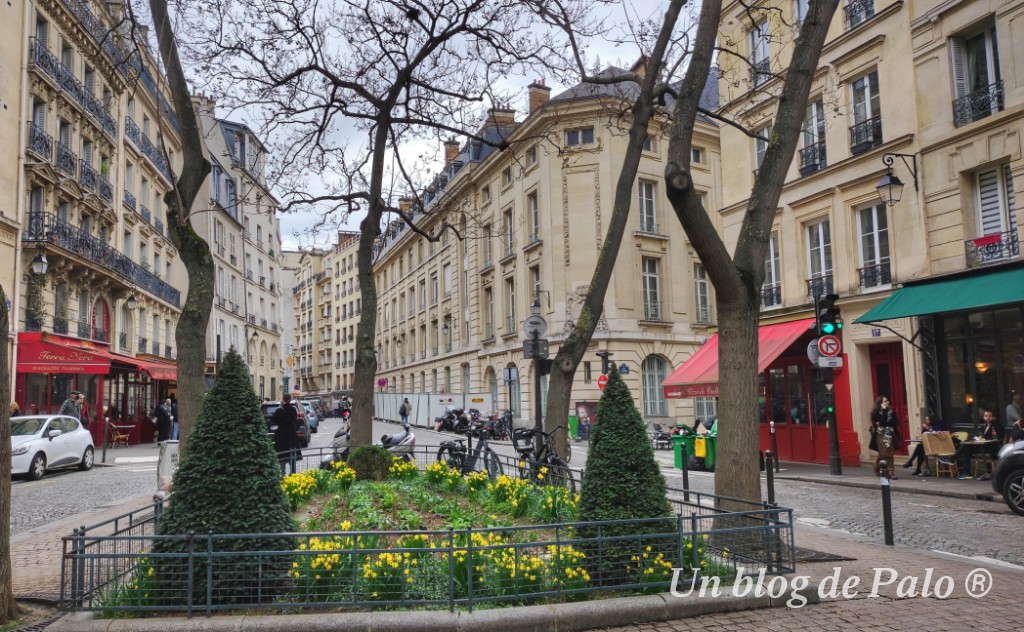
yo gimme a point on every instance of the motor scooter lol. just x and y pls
(339, 446)
(400, 445)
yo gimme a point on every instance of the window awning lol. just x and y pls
(159, 370)
(951, 295)
(45, 353)
(698, 376)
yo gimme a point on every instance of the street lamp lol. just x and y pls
(890, 187)
(132, 303)
(40, 265)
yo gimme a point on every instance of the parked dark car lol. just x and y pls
(1008, 478)
(269, 408)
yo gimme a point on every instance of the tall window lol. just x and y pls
(492, 387)
(510, 306)
(771, 291)
(488, 254)
(653, 374)
(535, 284)
(506, 229)
(700, 294)
(446, 271)
(996, 202)
(515, 395)
(123, 327)
(651, 288)
(488, 313)
(819, 259)
(867, 114)
(761, 145)
(433, 289)
(648, 219)
(801, 10)
(977, 83)
(533, 209)
(760, 67)
(812, 155)
(873, 227)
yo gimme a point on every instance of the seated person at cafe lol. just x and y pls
(931, 423)
(993, 432)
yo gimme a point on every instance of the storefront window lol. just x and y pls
(797, 395)
(777, 392)
(762, 416)
(35, 392)
(960, 396)
(63, 384)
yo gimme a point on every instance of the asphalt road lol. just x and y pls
(969, 528)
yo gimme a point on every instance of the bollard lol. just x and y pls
(771, 477)
(883, 468)
(775, 446)
(686, 475)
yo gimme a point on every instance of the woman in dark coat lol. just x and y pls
(286, 442)
(885, 428)
(163, 422)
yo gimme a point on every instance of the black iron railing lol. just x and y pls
(819, 286)
(865, 135)
(771, 295)
(812, 158)
(760, 71)
(67, 161)
(122, 341)
(87, 176)
(857, 12)
(652, 310)
(875, 275)
(129, 200)
(992, 248)
(48, 228)
(144, 212)
(648, 226)
(978, 104)
(40, 143)
(104, 188)
(143, 344)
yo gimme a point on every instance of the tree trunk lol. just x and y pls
(361, 423)
(8, 607)
(190, 333)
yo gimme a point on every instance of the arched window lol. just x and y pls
(124, 328)
(100, 321)
(653, 374)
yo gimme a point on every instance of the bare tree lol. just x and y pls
(344, 89)
(737, 277)
(8, 606)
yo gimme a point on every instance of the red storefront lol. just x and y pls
(50, 366)
(790, 395)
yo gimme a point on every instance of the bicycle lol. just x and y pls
(557, 470)
(458, 457)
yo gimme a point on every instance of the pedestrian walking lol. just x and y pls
(885, 435)
(404, 411)
(164, 421)
(286, 442)
(70, 406)
(174, 417)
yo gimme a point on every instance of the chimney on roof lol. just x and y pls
(501, 114)
(640, 67)
(539, 94)
(204, 105)
(451, 150)
(405, 204)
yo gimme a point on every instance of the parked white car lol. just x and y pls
(45, 442)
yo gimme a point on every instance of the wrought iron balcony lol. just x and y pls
(857, 12)
(648, 226)
(106, 190)
(87, 176)
(167, 352)
(129, 200)
(144, 212)
(67, 160)
(760, 71)
(433, 351)
(251, 319)
(978, 104)
(992, 249)
(812, 158)
(43, 60)
(40, 143)
(48, 228)
(146, 147)
(132, 131)
(819, 286)
(652, 310)
(771, 295)
(122, 341)
(263, 323)
(159, 225)
(156, 347)
(865, 135)
(875, 275)
(60, 325)
(703, 314)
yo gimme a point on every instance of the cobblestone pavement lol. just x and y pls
(998, 609)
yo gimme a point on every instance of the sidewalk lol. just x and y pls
(863, 477)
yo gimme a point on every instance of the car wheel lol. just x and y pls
(316, 429)
(1013, 491)
(37, 468)
(87, 459)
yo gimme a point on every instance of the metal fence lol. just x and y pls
(122, 566)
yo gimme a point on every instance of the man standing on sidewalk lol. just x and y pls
(404, 411)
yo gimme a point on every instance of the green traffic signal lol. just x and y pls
(831, 409)
(828, 328)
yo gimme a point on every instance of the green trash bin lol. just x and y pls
(709, 459)
(574, 426)
(678, 441)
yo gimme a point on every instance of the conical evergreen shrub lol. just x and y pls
(228, 483)
(621, 481)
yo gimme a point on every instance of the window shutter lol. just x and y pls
(990, 215)
(956, 49)
(36, 200)
(1010, 202)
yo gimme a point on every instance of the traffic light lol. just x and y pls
(604, 355)
(830, 323)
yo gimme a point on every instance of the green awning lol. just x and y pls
(951, 295)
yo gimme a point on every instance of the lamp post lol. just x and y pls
(538, 416)
(890, 187)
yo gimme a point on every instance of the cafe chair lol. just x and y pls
(960, 436)
(939, 446)
(118, 436)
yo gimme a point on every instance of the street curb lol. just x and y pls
(564, 617)
(894, 488)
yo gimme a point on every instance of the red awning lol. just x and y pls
(698, 376)
(159, 370)
(46, 353)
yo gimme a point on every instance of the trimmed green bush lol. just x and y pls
(228, 483)
(371, 462)
(621, 480)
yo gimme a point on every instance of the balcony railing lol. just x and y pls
(648, 226)
(819, 286)
(144, 212)
(60, 326)
(42, 58)
(67, 160)
(156, 347)
(992, 248)
(510, 325)
(40, 143)
(812, 158)
(129, 200)
(87, 331)
(771, 295)
(433, 351)
(978, 104)
(865, 135)
(122, 341)
(858, 11)
(703, 314)
(652, 310)
(876, 275)
(47, 63)
(146, 147)
(48, 228)
(167, 352)
(760, 71)
(159, 225)
(106, 190)
(87, 176)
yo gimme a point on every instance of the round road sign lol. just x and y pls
(602, 382)
(535, 323)
(829, 346)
